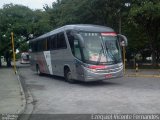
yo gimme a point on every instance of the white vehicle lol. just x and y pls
(2, 58)
(24, 58)
(79, 52)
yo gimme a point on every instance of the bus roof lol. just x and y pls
(78, 27)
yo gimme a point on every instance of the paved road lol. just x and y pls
(53, 95)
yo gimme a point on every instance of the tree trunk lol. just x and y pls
(8, 59)
(8, 63)
(154, 59)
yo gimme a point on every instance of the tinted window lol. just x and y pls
(41, 45)
(61, 42)
(48, 43)
(53, 42)
(33, 46)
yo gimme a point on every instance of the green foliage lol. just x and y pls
(40, 23)
(137, 19)
(145, 15)
(24, 47)
(102, 12)
(23, 22)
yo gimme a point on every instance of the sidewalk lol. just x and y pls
(143, 71)
(12, 100)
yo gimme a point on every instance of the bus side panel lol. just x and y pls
(40, 60)
(62, 58)
(47, 55)
(59, 60)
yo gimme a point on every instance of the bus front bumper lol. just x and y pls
(90, 75)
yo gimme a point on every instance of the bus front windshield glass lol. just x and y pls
(101, 48)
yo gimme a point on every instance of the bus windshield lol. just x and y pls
(101, 48)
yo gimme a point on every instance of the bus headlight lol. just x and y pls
(95, 68)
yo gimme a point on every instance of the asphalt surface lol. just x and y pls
(128, 95)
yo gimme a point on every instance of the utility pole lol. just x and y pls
(123, 46)
(14, 56)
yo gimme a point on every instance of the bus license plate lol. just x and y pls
(108, 75)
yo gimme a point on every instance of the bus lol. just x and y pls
(78, 52)
(24, 58)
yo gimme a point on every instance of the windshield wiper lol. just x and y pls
(112, 56)
(99, 56)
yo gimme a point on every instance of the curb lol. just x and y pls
(28, 100)
(23, 97)
(142, 75)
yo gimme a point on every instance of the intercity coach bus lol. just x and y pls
(24, 58)
(78, 52)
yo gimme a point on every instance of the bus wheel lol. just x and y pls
(68, 76)
(38, 70)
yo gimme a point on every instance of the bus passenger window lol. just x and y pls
(35, 46)
(48, 43)
(53, 42)
(41, 45)
(61, 42)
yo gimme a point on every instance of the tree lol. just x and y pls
(146, 16)
(23, 47)
(102, 12)
(23, 22)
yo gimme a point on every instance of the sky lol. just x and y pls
(33, 4)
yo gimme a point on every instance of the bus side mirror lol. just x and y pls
(123, 40)
(80, 40)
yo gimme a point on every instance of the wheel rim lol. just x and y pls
(68, 76)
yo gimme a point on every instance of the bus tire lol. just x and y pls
(68, 76)
(38, 70)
